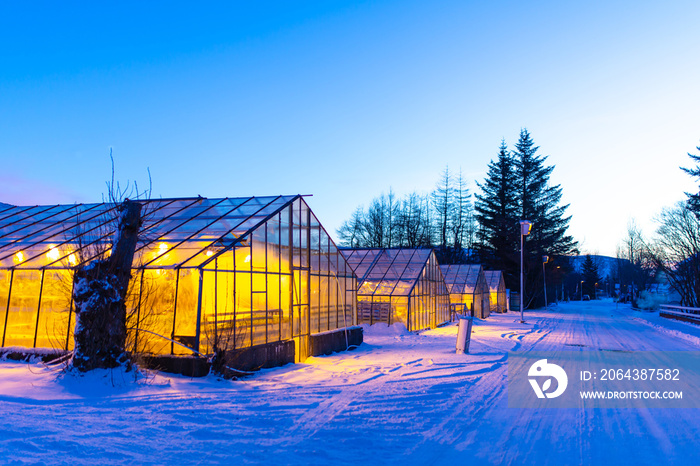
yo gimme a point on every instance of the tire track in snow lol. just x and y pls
(451, 430)
(320, 417)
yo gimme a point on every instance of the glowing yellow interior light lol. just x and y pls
(247, 259)
(53, 254)
(72, 260)
(209, 253)
(19, 257)
(162, 249)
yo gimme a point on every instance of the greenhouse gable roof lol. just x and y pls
(181, 232)
(387, 272)
(493, 279)
(461, 278)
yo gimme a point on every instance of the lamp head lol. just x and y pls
(525, 227)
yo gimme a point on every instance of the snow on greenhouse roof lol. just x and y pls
(493, 279)
(387, 272)
(461, 278)
(182, 232)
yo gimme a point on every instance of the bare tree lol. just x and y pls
(443, 216)
(412, 218)
(636, 263)
(375, 223)
(463, 224)
(101, 285)
(391, 212)
(381, 226)
(443, 203)
(352, 232)
(461, 211)
(677, 251)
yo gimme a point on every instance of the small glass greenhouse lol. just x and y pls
(467, 286)
(497, 290)
(399, 285)
(235, 272)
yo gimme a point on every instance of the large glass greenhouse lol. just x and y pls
(230, 273)
(467, 286)
(399, 285)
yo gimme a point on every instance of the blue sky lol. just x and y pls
(344, 100)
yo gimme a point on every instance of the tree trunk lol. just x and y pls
(99, 295)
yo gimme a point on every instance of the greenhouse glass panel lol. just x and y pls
(258, 260)
(5, 288)
(327, 302)
(156, 310)
(315, 302)
(274, 294)
(54, 310)
(23, 308)
(260, 318)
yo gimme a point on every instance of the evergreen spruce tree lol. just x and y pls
(517, 188)
(497, 213)
(590, 276)
(539, 203)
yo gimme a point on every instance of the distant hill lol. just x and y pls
(606, 264)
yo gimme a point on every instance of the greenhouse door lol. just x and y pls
(300, 307)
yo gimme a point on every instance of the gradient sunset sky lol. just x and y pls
(344, 100)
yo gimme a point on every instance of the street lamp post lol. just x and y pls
(545, 259)
(525, 227)
(582, 282)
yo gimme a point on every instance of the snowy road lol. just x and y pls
(399, 398)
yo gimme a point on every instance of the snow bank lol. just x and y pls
(41, 382)
(682, 330)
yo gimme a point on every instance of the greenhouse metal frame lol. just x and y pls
(225, 273)
(399, 285)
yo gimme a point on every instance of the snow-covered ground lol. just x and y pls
(398, 399)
